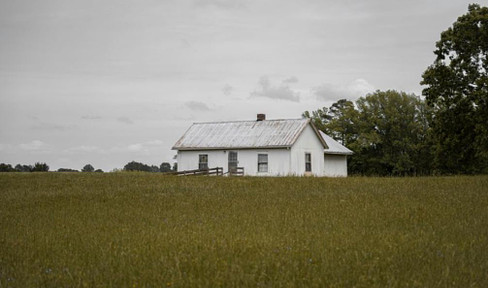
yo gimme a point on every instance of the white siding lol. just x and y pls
(308, 142)
(188, 160)
(278, 160)
(335, 165)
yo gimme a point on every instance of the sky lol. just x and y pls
(113, 81)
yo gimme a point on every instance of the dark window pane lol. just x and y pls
(203, 161)
(262, 162)
(308, 162)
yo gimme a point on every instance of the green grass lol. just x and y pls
(149, 230)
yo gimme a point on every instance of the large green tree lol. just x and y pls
(343, 119)
(387, 130)
(320, 118)
(393, 134)
(457, 89)
(338, 120)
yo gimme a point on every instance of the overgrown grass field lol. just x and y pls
(150, 230)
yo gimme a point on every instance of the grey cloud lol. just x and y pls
(351, 91)
(197, 106)
(144, 147)
(125, 120)
(222, 4)
(84, 149)
(292, 79)
(185, 43)
(227, 90)
(265, 89)
(135, 147)
(51, 126)
(329, 92)
(91, 117)
(34, 145)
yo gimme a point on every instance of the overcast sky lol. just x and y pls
(108, 82)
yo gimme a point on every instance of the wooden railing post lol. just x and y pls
(218, 171)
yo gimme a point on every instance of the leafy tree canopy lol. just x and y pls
(23, 168)
(457, 89)
(88, 168)
(165, 167)
(40, 167)
(387, 130)
(392, 134)
(137, 166)
(67, 170)
(6, 168)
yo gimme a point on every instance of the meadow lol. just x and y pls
(150, 230)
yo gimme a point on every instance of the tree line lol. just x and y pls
(131, 166)
(37, 167)
(395, 133)
(137, 166)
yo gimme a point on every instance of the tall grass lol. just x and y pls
(137, 229)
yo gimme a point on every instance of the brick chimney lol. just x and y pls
(261, 117)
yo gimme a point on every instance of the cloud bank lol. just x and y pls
(34, 145)
(197, 106)
(353, 90)
(283, 92)
(125, 120)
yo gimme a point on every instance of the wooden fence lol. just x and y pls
(237, 171)
(217, 171)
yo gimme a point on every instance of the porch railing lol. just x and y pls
(217, 171)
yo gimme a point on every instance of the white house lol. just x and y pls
(262, 148)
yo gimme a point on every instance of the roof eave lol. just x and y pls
(318, 134)
(338, 153)
(228, 148)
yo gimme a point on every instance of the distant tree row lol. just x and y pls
(86, 168)
(90, 168)
(67, 170)
(43, 167)
(37, 167)
(137, 166)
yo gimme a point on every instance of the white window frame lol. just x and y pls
(263, 164)
(202, 163)
(308, 162)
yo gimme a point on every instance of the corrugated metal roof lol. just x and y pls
(242, 134)
(334, 146)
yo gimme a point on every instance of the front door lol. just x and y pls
(233, 162)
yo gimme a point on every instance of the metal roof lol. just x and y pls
(334, 146)
(242, 134)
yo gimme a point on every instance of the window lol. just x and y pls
(233, 162)
(262, 162)
(308, 162)
(203, 161)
